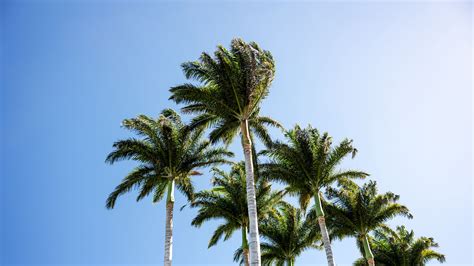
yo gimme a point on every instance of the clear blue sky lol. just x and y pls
(395, 77)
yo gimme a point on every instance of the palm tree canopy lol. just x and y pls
(231, 87)
(356, 211)
(227, 200)
(401, 248)
(286, 236)
(308, 162)
(166, 151)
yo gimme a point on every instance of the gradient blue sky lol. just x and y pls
(395, 77)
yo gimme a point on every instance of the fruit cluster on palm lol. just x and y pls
(225, 101)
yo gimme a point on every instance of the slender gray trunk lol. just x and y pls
(169, 225)
(326, 240)
(254, 239)
(324, 230)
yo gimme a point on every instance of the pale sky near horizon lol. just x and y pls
(395, 77)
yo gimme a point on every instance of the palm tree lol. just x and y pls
(227, 200)
(232, 86)
(356, 211)
(286, 236)
(308, 163)
(401, 248)
(168, 154)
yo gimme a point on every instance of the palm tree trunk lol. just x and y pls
(254, 243)
(245, 246)
(368, 252)
(290, 262)
(246, 257)
(324, 230)
(169, 225)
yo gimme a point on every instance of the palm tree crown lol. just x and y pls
(401, 248)
(356, 211)
(227, 200)
(232, 85)
(167, 152)
(308, 163)
(287, 235)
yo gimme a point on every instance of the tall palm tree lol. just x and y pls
(401, 248)
(286, 236)
(356, 211)
(231, 88)
(308, 163)
(168, 154)
(227, 200)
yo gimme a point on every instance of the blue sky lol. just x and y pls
(395, 77)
